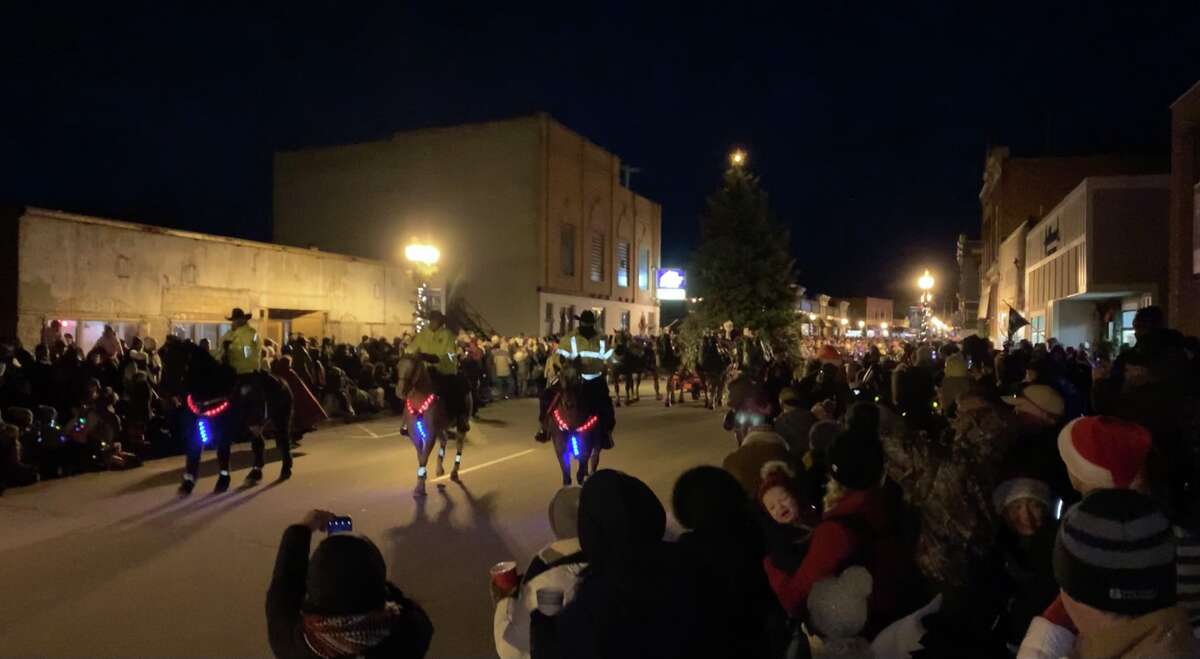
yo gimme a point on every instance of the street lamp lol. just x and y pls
(862, 324)
(925, 283)
(424, 259)
(737, 158)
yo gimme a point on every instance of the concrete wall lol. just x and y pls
(79, 268)
(1128, 231)
(473, 191)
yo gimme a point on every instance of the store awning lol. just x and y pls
(983, 302)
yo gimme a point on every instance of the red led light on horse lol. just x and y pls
(587, 425)
(422, 408)
(210, 412)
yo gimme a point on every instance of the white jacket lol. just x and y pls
(511, 621)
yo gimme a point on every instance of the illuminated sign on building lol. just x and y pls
(671, 282)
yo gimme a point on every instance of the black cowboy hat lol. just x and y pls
(239, 314)
(436, 315)
(587, 317)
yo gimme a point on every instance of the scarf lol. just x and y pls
(349, 635)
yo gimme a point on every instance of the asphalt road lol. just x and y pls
(115, 564)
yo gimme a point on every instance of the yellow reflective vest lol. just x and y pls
(593, 353)
(438, 343)
(244, 352)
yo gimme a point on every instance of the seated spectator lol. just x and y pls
(636, 599)
(1115, 562)
(724, 543)
(339, 603)
(558, 565)
(13, 471)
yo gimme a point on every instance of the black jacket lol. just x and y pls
(410, 636)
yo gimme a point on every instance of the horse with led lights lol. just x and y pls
(425, 417)
(572, 426)
(214, 407)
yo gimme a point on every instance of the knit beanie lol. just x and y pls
(346, 575)
(564, 512)
(1020, 487)
(1115, 552)
(856, 459)
(1104, 451)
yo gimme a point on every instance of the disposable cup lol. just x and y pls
(504, 575)
(549, 601)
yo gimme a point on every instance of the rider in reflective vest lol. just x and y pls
(593, 352)
(438, 341)
(241, 346)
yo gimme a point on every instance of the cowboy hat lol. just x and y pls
(588, 317)
(239, 314)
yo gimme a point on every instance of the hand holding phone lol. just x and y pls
(339, 524)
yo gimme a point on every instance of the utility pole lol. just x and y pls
(627, 172)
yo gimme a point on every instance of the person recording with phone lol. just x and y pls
(339, 603)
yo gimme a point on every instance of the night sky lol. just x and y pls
(868, 126)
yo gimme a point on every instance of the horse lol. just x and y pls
(569, 424)
(212, 405)
(627, 368)
(669, 364)
(425, 417)
(712, 367)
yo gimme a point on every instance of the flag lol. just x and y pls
(1015, 321)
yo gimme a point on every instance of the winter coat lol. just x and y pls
(410, 635)
(762, 449)
(557, 565)
(1162, 634)
(793, 425)
(1029, 579)
(949, 478)
(860, 530)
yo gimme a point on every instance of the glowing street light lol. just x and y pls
(925, 283)
(862, 324)
(883, 326)
(737, 158)
(426, 255)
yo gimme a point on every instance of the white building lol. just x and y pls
(147, 281)
(1097, 257)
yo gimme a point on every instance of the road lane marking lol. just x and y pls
(365, 429)
(486, 464)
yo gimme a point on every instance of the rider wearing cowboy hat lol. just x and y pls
(439, 343)
(240, 347)
(588, 346)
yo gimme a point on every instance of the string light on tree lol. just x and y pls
(421, 306)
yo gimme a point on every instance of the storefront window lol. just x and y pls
(1037, 332)
(1127, 337)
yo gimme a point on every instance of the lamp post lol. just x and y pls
(737, 158)
(424, 259)
(925, 283)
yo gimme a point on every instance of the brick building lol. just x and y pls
(1019, 191)
(1183, 263)
(531, 218)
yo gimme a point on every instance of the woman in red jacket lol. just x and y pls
(857, 528)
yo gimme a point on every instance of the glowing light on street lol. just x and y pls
(925, 282)
(862, 324)
(737, 158)
(423, 254)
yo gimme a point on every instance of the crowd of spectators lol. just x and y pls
(64, 411)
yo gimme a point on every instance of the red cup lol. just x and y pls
(504, 575)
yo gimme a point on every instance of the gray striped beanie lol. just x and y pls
(1115, 552)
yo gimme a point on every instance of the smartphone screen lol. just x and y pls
(340, 524)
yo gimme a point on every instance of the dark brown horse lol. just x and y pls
(572, 427)
(425, 418)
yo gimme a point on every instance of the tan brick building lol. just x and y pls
(1018, 191)
(1183, 263)
(531, 219)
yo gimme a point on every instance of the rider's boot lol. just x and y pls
(222, 482)
(255, 474)
(188, 484)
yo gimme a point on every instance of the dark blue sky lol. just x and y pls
(868, 126)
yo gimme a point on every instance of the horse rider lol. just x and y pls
(588, 346)
(440, 347)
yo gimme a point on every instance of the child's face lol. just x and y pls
(1025, 516)
(781, 505)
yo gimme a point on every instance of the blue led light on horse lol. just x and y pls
(420, 425)
(575, 445)
(202, 427)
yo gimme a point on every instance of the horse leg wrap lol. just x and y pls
(441, 452)
(457, 458)
(224, 472)
(420, 472)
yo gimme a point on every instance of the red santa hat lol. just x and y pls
(1104, 451)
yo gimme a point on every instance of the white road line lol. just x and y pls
(486, 464)
(365, 429)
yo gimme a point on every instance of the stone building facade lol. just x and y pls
(147, 281)
(530, 217)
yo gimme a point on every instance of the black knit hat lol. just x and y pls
(345, 575)
(1115, 552)
(856, 459)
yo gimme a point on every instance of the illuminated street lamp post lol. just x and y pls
(737, 158)
(424, 259)
(925, 283)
